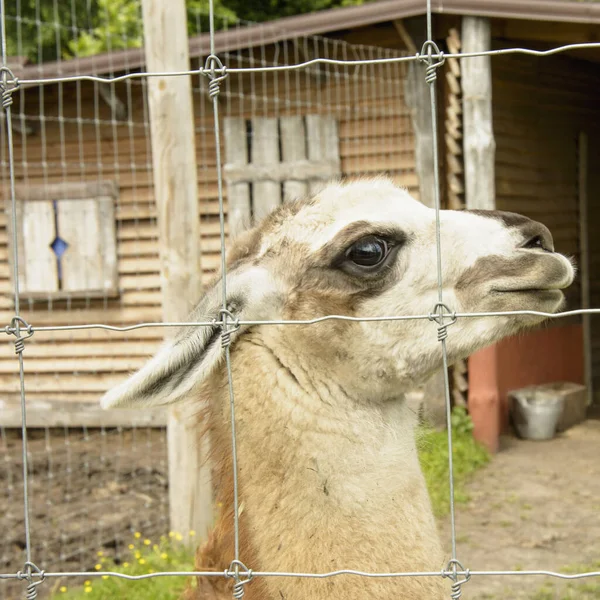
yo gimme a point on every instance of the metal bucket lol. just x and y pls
(535, 413)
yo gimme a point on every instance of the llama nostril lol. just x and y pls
(536, 237)
(537, 242)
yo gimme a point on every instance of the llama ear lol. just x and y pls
(195, 352)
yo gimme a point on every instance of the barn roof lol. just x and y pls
(322, 22)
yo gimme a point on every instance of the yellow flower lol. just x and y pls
(125, 564)
(98, 567)
(104, 576)
(100, 553)
(131, 546)
(87, 589)
(137, 554)
(88, 582)
(171, 534)
(192, 533)
(142, 561)
(151, 571)
(147, 542)
(63, 588)
(178, 537)
(155, 547)
(164, 556)
(137, 535)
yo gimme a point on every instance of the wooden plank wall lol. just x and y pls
(77, 139)
(540, 105)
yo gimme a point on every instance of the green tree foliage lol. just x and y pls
(41, 29)
(45, 30)
(266, 10)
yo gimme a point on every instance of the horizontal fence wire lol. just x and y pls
(441, 315)
(11, 329)
(230, 574)
(309, 63)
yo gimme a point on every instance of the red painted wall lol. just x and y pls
(541, 356)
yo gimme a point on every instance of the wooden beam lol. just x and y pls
(478, 138)
(280, 172)
(175, 177)
(551, 32)
(70, 190)
(77, 414)
(404, 36)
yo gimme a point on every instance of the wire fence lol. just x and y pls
(215, 76)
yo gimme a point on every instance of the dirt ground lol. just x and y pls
(535, 506)
(89, 491)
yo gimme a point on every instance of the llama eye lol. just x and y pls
(368, 252)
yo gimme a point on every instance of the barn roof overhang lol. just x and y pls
(320, 23)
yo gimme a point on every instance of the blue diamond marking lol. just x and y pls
(59, 246)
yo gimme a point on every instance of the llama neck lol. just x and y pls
(327, 482)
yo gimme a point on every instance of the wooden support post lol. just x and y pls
(479, 145)
(176, 193)
(479, 156)
(416, 94)
(584, 264)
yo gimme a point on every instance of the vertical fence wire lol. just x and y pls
(227, 326)
(431, 79)
(429, 49)
(8, 86)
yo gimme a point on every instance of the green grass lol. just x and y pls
(143, 556)
(171, 554)
(581, 589)
(468, 456)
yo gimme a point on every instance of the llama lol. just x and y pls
(328, 471)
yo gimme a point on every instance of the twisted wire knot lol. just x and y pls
(8, 84)
(229, 324)
(438, 314)
(30, 569)
(451, 572)
(17, 325)
(237, 568)
(427, 54)
(213, 66)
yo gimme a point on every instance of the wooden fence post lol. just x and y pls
(479, 159)
(479, 145)
(176, 193)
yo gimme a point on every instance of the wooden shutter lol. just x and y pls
(67, 241)
(273, 159)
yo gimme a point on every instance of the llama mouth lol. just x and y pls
(537, 291)
(534, 294)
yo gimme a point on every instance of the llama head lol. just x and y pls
(365, 249)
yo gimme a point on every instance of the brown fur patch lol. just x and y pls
(218, 551)
(488, 268)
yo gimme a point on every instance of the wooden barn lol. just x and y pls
(518, 133)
